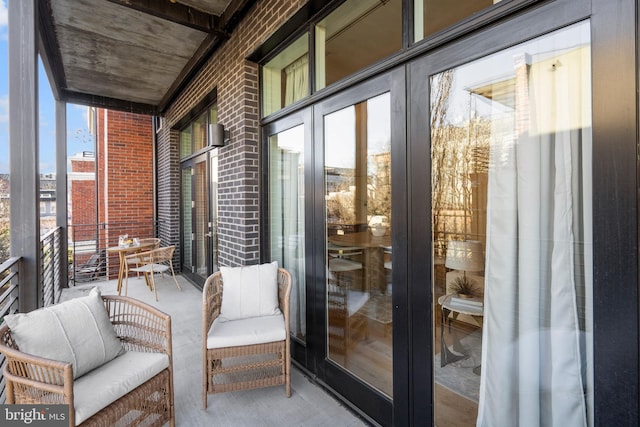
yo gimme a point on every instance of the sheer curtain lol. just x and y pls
(297, 80)
(537, 355)
(287, 228)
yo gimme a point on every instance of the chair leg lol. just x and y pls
(205, 372)
(173, 274)
(153, 285)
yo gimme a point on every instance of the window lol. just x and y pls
(195, 136)
(431, 16)
(511, 211)
(355, 35)
(285, 78)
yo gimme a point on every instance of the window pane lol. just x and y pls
(355, 35)
(358, 260)
(200, 133)
(185, 142)
(187, 221)
(285, 79)
(511, 209)
(286, 203)
(431, 16)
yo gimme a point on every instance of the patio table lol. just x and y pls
(123, 251)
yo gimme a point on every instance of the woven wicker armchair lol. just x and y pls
(243, 367)
(140, 328)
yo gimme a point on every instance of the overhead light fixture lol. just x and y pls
(218, 136)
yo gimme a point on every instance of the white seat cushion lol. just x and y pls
(108, 383)
(355, 301)
(342, 264)
(249, 291)
(77, 331)
(148, 268)
(253, 330)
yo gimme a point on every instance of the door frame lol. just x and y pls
(299, 348)
(356, 393)
(191, 163)
(614, 130)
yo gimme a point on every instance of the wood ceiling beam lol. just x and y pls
(177, 13)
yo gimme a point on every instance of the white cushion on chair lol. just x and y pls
(253, 330)
(250, 291)
(77, 331)
(151, 268)
(103, 386)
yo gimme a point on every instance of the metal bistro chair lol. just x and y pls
(154, 261)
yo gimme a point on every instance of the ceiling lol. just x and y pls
(132, 55)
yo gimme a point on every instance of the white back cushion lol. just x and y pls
(250, 291)
(77, 331)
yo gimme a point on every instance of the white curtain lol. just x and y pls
(537, 356)
(297, 80)
(287, 228)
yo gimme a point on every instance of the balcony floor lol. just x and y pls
(309, 404)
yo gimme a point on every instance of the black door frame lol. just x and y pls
(359, 395)
(299, 348)
(191, 163)
(615, 186)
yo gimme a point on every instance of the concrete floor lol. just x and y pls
(309, 405)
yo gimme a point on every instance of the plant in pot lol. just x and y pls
(463, 287)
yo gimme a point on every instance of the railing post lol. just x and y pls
(23, 144)
(61, 190)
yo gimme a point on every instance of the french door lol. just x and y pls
(335, 206)
(199, 217)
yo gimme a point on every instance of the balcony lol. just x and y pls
(309, 404)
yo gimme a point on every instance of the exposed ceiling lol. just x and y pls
(132, 55)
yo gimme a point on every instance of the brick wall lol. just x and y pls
(83, 197)
(125, 176)
(236, 81)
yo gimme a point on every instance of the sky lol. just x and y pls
(78, 137)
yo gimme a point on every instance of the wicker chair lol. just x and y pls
(244, 366)
(141, 328)
(159, 260)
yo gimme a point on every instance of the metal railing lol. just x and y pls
(9, 297)
(51, 280)
(88, 243)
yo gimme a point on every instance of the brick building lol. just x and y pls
(513, 123)
(117, 197)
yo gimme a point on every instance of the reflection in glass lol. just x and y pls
(201, 228)
(358, 214)
(286, 205)
(187, 220)
(511, 176)
(355, 35)
(431, 16)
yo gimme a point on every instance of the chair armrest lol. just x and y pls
(211, 301)
(139, 326)
(31, 378)
(284, 294)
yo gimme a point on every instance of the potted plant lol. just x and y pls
(464, 287)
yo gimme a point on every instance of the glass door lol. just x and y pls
(358, 260)
(508, 138)
(358, 143)
(199, 199)
(288, 207)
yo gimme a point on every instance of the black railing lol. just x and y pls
(88, 244)
(51, 281)
(9, 297)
